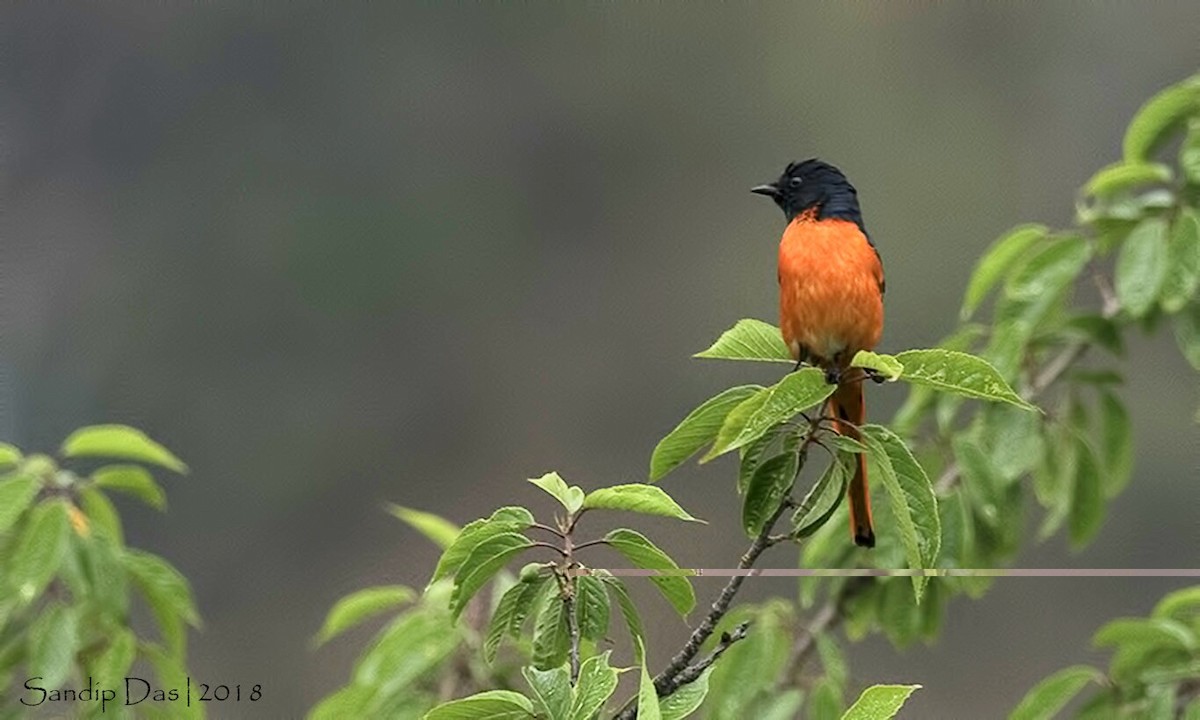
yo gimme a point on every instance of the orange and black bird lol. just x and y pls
(830, 298)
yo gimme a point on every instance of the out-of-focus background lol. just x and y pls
(420, 252)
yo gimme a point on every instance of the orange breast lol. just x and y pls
(830, 297)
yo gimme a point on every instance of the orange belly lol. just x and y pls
(830, 291)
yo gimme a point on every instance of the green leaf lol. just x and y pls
(505, 520)
(134, 480)
(644, 554)
(629, 611)
(39, 550)
(103, 516)
(958, 373)
(360, 606)
(1048, 271)
(1100, 330)
(484, 561)
(1142, 267)
(913, 502)
(1116, 444)
(167, 593)
(410, 647)
(824, 702)
(636, 497)
(551, 690)
(749, 340)
(697, 429)
(1124, 176)
(490, 705)
(1052, 694)
(1003, 254)
(1159, 117)
(1087, 499)
(879, 702)
(570, 497)
(591, 608)
(551, 634)
(119, 441)
(886, 366)
(798, 391)
(1183, 261)
(510, 614)
(16, 494)
(442, 532)
(1187, 334)
(647, 696)
(752, 454)
(1182, 605)
(686, 700)
(735, 423)
(597, 682)
(111, 667)
(1155, 632)
(834, 479)
(53, 640)
(768, 486)
(10, 456)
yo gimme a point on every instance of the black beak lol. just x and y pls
(769, 190)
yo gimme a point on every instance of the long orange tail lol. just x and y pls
(847, 403)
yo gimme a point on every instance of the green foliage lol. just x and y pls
(359, 606)
(958, 466)
(67, 574)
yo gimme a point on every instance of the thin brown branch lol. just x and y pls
(691, 673)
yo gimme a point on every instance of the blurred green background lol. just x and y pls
(418, 252)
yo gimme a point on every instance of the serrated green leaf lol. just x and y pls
(629, 612)
(1052, 694)
(1182, 605)
(551, 634)
(439, 530)
(1087, 497)
(489, 705)
(1124, 176)
(1158, 119)
(887, 366)
(696, 430)
(53, 640)
(958, 373)
(359, 606)
(412, 645)
(483, 562)
(1154, 632)
(638, 498)
(752, 454)
(103, 516)
(647, 696)
(749, 339)
(504, 520)
(551, 690)
(16, 494)
(571, 497)
(510, 614)
(832, 484)
(597, 682)
(39, 550)
(996, 261)
(119, 441)
(1142, 267)
(591, 608)
(768, 486)
(133, 480)
(167, 593)
(686, 700)
(644, 554)
(798, 391)
(111, 667)
(879, 702)
(912, 499)
(1053, 267)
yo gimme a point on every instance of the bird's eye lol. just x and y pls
(795, 182)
